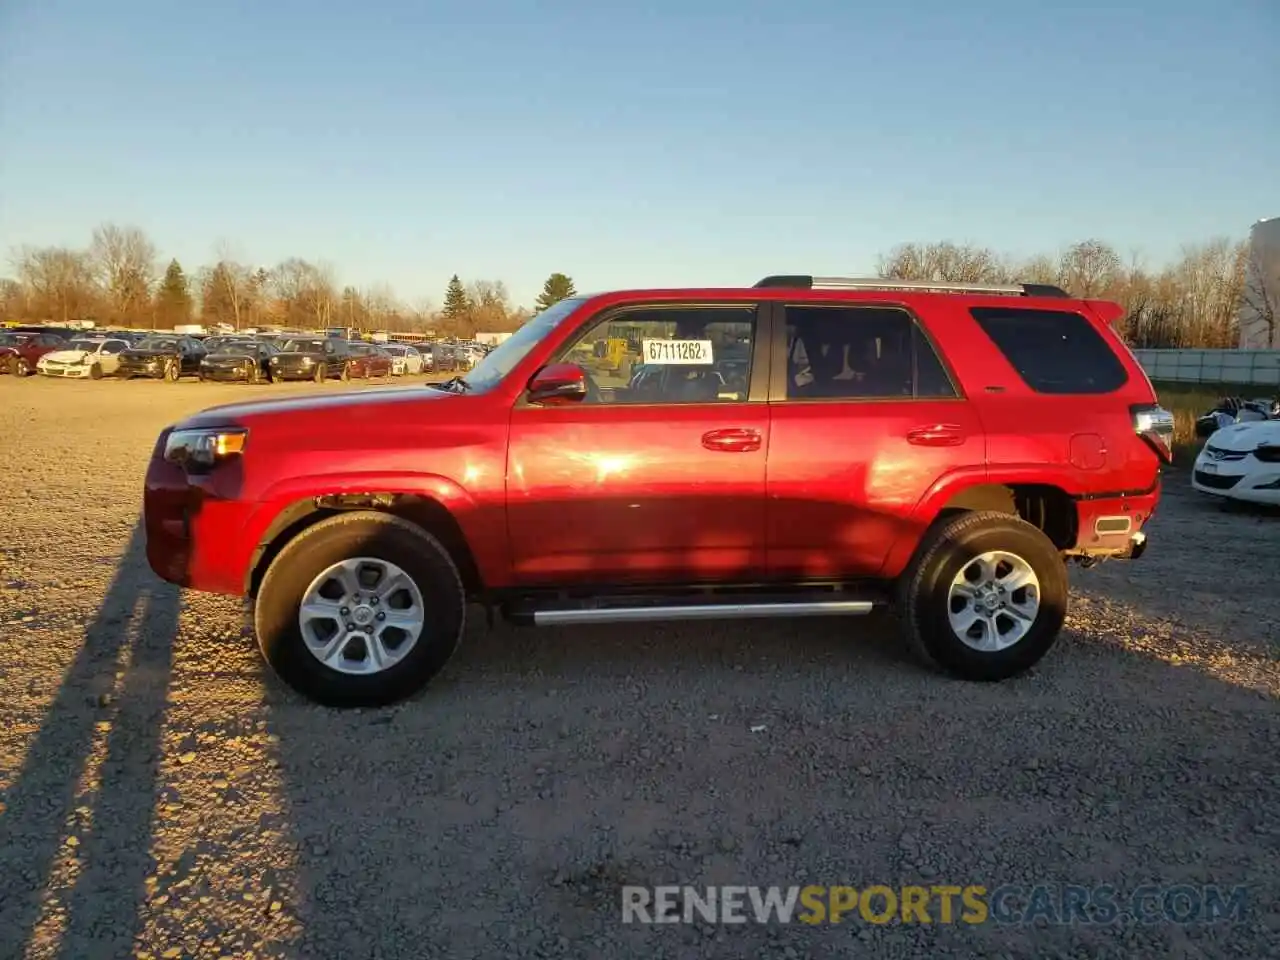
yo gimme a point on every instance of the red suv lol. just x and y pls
(807, 446)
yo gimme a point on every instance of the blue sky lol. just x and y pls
(662, 143)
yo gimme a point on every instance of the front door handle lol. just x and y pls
(732, 440)
(936, 435)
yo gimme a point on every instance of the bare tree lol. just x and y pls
(944, 262)
(1089, 268)
(59, 282)
(226, 293)
(125, 263)
(1259, 295)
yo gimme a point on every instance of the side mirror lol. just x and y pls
(558, 384)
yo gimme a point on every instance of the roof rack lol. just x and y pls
(880, 283)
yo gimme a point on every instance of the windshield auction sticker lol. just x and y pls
(677, 351)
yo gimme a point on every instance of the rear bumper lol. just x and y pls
(1112, 527)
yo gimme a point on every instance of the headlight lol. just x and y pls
(203, 448)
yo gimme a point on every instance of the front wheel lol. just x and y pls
(985, 598)
(362, 609)
(171, 371)
(346, 373)
(95, 372)
(319, 376)
(17, 367)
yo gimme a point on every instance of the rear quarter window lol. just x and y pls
(1054, 351)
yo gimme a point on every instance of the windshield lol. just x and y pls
(157, 343)
(15, 339)
(90, 345)
(395, 351)
(303, 346)
(503, 359)
(238, 349)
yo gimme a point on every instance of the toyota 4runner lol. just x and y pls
(807, 446)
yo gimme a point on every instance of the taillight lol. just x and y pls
(1154, 424)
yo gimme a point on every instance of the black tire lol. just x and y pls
(172, 372)
(346, 373)
(360, 533)
(320, 374)
(95, 372)
(923, 595)
(17, 367)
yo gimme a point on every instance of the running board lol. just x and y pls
(701, 611)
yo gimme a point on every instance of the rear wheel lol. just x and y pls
(985, 598)
(362, 609)
(346, 372)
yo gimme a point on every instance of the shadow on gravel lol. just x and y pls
(114, 853)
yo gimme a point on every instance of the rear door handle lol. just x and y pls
(936, 435)
(732, 440)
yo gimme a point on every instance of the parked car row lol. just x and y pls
(55, 352)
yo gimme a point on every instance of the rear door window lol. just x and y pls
(861, 353)
(1054, 351)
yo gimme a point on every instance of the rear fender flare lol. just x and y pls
(950, 485)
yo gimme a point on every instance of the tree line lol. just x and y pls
(1194, 302)
(117, 279)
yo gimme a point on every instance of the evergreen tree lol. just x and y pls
(457, 305)
(173, 299)
(557, 288)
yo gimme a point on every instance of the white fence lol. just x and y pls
(1256, 367)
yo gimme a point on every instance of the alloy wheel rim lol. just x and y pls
(993, 601)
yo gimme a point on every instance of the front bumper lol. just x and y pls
(227, 374)
(152, 369)
(192, 526)
(1247, 480)
(293, 371)
(75, 372)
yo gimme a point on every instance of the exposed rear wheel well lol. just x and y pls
(426, 513)
(1049, 508)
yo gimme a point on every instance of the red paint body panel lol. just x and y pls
(623, 493)
(575, 494)
(844, 480)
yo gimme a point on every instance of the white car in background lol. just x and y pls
(1241, 462)
(404, 359)
(83, 358)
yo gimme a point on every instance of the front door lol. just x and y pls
(658, 475)
(867, 421)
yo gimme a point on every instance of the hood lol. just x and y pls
(356, 402)
(68, 356)
(1247, 436)
(227, 358)
(8, 352)
(135, 354)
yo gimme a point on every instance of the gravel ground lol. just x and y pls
(160, 796)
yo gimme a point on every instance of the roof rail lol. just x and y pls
(804, 282)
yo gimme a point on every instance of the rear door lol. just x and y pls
(664, 484)
(865, 419)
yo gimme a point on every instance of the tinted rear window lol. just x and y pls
(1054, 351)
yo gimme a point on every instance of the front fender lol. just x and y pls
(482, 524)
